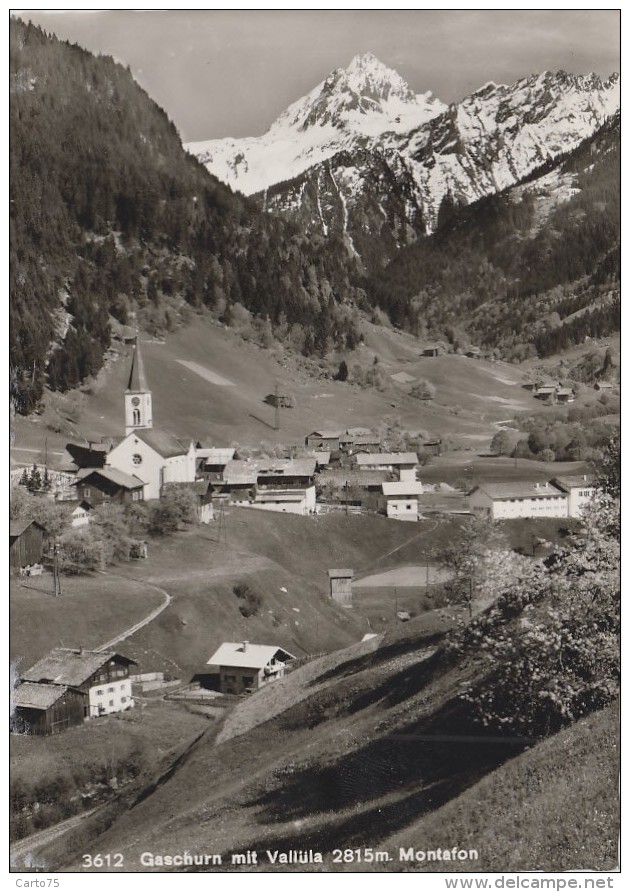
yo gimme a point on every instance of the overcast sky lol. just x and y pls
(231, 73)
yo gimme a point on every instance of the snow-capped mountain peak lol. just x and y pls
(365, 97)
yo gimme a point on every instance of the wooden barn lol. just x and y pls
(47, 708)
(341, 586)
(26, 544)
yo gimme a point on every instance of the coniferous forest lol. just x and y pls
(110, 215)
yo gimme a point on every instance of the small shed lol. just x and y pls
(341, 586)
(431, 350)
(26, 543)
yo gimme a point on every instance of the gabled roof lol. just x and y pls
(137, 378)
(247, 656)
(17, 527)
(167, 445)
(66, 666)
(387, 458)
(240, 472)
(118, 478)
(321, 458)
(402, 488)
(325, 434)
(29, 695)
(360, 432)
(574, 482)
(501, 491)
(215, 456)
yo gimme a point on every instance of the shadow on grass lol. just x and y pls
(266, 423)
(381, 655)
(443, 754)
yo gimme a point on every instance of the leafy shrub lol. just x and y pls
(252, 601)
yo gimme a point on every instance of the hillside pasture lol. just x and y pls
(90, 610)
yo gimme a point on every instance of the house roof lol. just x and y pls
(340, 574)
(387, 458)
(573, 482)
(326, 434)
(17, 527)
(353, 478)
(500, 491)
(360, 432)
(119, 478)
(30, 695)
(240, 472)
(402, 488)
(166, 444)
(137, 377)
(66, 666)
(247, 656)
(321, 458)
(215, 456)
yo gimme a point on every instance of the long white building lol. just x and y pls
(502, 501)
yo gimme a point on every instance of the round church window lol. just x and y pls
(136, 459)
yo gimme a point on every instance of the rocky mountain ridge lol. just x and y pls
(363, 156)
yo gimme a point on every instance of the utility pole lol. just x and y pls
(56, 580)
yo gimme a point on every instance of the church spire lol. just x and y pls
(138, 406)
(137, 377)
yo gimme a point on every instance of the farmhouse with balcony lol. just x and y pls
(500, 501)
(238, 483)
(101, 677)
(287, 486)
(245, 667)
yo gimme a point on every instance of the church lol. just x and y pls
(153, 456)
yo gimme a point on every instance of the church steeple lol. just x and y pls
(138, 408)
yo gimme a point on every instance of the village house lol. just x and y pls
(81, 514)
(26, 544)
(287, 486)
(99, 485)
(431, 350)
(341, 586)
(212, 461)
(244, 667)
(402, 463)
(100, 677)
(238, 483)
(580, 491)
(324, 439)
(400, 499)
(501, 501)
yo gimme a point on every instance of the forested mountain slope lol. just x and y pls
(527, 272)
(111, 217)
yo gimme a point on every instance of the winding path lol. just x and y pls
(143, 622)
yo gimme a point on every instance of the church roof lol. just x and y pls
(164, 443)
(137, 376)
